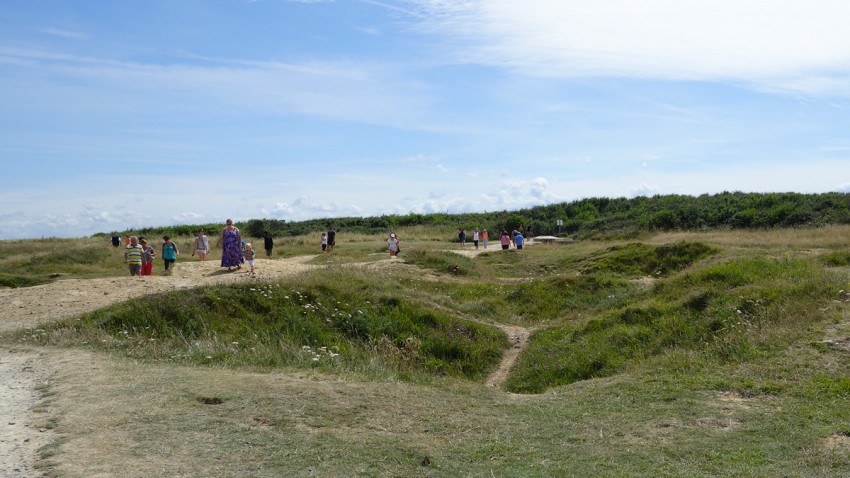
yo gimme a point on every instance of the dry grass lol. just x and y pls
(794, 239)
(670, 416)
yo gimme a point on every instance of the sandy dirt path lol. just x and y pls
(22, 371)
(26, 307)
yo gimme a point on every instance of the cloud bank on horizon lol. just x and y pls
(161, 113)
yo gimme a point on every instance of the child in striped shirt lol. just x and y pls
(248, 254)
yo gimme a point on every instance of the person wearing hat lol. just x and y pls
(169, 252)
(393, 244)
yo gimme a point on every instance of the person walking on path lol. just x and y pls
(324, 242)
(461, 237)
(231, 246)
(133, 256)
(116, 239)
(248, 254)
(505, 239)
(202, 246)
(392, 245)
(268, 243)
(485, 238)
(148, 254)
(169, 252)
(476, 236)
(519, 240)
(331, 239)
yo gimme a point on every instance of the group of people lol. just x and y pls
(328, 240)
(481, 236)
(516, 238)
(139, 256)
(235, 251)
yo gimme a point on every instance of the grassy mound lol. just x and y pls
(731, 311)
(321, 321)
(639, 259)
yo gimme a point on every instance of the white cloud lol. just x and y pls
(771, 44)
(420, 158)
(303, 207)
(73, 35)
(436, 162)
(644, 190)
(538, 188)
(360, 91)
(188, 218)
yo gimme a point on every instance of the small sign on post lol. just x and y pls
(559, 222)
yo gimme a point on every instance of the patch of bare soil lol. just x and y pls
(21, 372)
(519, 341)
(838, 441)
(28, 306)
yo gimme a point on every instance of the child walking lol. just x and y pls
(248, 254)
(148, 253)
(392, 244)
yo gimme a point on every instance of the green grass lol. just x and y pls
(320, 321)
(638, 259)
(715, 365)
(732, 311)
(441, 261)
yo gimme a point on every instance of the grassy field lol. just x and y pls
(672, 355)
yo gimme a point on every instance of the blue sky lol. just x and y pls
(123, 114)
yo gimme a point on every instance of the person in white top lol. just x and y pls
(475, 237)
(202, 246)
(392, 244)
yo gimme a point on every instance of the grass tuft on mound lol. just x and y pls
(317, 322)
(638, 259)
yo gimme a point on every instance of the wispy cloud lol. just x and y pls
(73, 35)
(783, 45)
(342, 90)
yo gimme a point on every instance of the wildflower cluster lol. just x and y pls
(319, 353)
(266, 291)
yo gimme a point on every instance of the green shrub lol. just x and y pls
(836, 258)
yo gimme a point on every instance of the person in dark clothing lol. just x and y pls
(331, 239)
(268, 243)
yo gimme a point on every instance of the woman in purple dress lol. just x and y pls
(231, 250)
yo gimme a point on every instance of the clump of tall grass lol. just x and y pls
(639, 259)
(347, 324)
(839, 258)
(37, 261)
(445, 262)
(727, 312)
